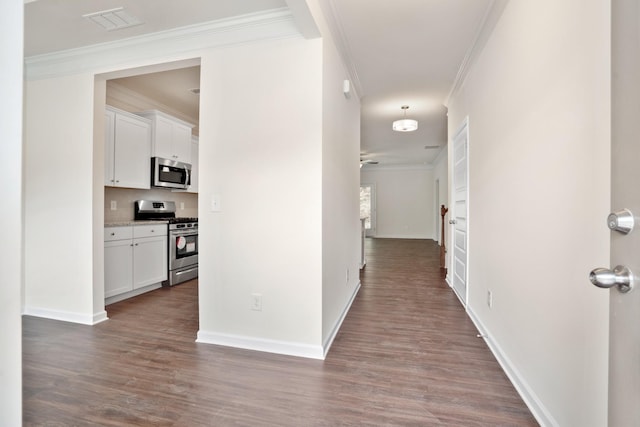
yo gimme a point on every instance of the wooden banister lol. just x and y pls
(443, 249)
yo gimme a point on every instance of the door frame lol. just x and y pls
(372, 231)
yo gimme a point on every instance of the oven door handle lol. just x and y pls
(182, 233)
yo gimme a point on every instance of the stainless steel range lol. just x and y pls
(183, 238)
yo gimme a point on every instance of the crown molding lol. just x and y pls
(337, 32)
(488, 23)
(184, 41)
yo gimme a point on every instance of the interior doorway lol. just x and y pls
(368, 208)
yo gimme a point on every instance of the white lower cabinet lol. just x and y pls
(134, 257)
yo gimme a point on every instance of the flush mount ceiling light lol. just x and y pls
(405, 125)
(113, 19)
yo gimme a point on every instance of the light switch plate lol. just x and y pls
(216, 205)
(114, 205)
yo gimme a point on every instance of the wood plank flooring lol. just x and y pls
(407, 355)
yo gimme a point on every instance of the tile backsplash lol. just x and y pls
(126, 197)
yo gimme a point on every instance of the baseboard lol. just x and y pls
(66, 316)
(334, 331)
(399, 236)
(261, 344)
(131, 294)
(537, 408)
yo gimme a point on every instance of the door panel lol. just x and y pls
(624, 309)
(459, 214)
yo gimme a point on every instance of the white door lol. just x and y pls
(624, 308)
(368, 208)
(459, 215)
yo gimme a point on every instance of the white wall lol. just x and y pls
(404, 201)
(538, 102)
(261, 140)
(340, 189)
(59, 199)
(11, 257)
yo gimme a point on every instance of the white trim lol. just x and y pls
(279, 347)
(270, 24)
(329, 341)
(487, 24)
(340, 40)
(405, 236)
(303, 18)
(66, 316)
(261, 344)
(133, 293)
(535, 405)
(464, 127)
(423, 167)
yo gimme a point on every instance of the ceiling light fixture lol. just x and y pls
(405, 125)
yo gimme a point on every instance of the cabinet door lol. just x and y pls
(163, 138)
(132, 153)
(118, 267)
(181, 143)
(149, 261)
(195, 157)
(109, 146)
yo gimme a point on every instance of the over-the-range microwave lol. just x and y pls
(167, 173)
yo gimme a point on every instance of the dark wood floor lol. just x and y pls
(406, 355)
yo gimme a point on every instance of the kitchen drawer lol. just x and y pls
(149, 230)
(117, 233)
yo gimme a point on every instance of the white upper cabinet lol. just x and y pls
(171, 136)
(127, 150)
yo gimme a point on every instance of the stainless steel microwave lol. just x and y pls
(167, 173)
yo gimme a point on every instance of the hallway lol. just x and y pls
(407, 354)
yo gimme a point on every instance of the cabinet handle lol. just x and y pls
(136, 244)
(131, 245)
(113, 234)
(153, 231)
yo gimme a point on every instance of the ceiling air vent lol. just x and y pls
(113, 19)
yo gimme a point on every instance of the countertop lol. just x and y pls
(132, 222)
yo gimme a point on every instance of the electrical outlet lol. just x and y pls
(114, 205)
(489, 299)
(256, 302)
